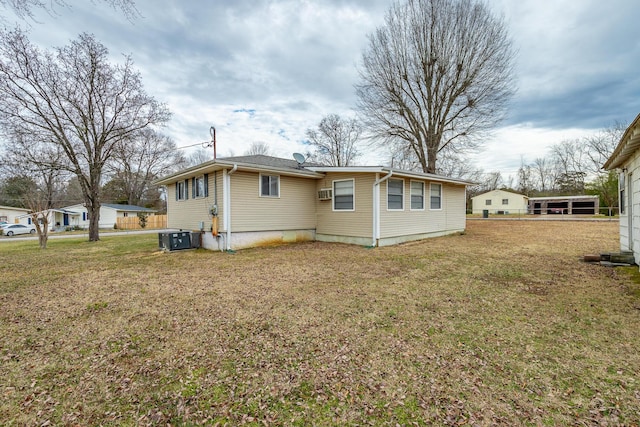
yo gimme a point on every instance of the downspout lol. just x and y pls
(227, 202)
(376, 207)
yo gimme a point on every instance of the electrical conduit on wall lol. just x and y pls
(376, 206)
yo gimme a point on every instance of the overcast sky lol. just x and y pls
(265, 71)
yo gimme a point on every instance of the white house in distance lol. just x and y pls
(77, 215)
(626, 160)
(500, 202)
(250, 201)
(14, 215)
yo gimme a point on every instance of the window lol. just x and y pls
(487, 202)
(125, 214)
(505, 201)
(182, 192)
(436, 196)
(85, 217)
(417, 195)
(395, 194)
(199, 186)
(269, 185)
(343, 199)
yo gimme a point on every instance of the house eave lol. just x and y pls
(396, 173)
(216, 165)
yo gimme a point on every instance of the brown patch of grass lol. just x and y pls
(501, 325)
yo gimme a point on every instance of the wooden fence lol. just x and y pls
(133, 222)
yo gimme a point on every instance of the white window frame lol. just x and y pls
(401, 194)
(270, 176)
(411, 194)
(431, 186)
(199, 186)
(181, 195)
(505, 202)
(336, 195)
(487, 202)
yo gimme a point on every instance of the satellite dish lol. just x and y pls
(299, 158)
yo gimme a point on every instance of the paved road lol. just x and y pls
(82, 235)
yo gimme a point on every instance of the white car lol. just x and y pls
(13, 229)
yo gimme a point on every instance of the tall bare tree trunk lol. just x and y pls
(93, 209)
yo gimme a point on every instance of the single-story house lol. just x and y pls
(500, 202)
(626, 160)
(250, 201)
(566, 205)
(77, 215)
(14, 215)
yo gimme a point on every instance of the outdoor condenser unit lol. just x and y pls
(174, 241)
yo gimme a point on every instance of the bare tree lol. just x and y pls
(199, 156)
(568, 159)
(74, 99)
(140, 159)
(25, 9)
(335, 142)
(525, 178)
(258, 148)
(600, 146)
(39, 183)
(438, 74)
(543, 173)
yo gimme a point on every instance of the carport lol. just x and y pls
(564, 205)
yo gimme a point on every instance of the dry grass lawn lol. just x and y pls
(503, 325)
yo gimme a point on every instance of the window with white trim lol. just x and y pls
(417, 195)
(436, 196)
(199, 186)
(487, 202)
(505, 201)
(182, 190)
(343, 195)
(395, 194)
(269, 186)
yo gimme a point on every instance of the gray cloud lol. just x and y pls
(290, 62)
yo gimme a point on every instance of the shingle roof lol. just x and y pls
(262, 160)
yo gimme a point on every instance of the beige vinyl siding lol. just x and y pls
(187, 214)
(357, 223)
(450, 217)
(294, 209)
(630, 227)
(516, 203)
(455, 200)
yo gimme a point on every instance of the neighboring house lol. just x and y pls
(499, 202)
(258, 200)
(14, 215)
(77, 216)
(566, 205)
(626, 160)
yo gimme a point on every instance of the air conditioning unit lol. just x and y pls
(325, 194)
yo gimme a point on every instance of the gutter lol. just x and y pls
(227, 202)
(376, 208)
